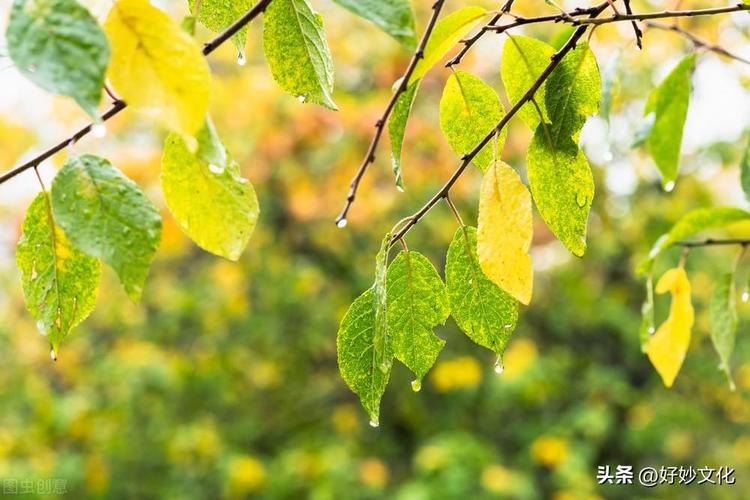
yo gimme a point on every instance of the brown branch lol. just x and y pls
(118, 104)
(698, 42)
(380, 124)
(469, 42)
(467, 158)
(714, 242)
(660, 15)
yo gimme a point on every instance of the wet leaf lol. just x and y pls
(722, 311)
(59, 45)
(523, 61)
(156, 66)
(107, 216)
(395, 17)
(217, 15)
(505, 231)
(469, 110)
(60, 283)
(485, 313)
(207, 195)
(297, 51)
(668, 346)
(397, 129)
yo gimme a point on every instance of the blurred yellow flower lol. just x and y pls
(519, 356)
(550, 450)
(373, 473)
(244, 475)
(454, 374)
(498, 479)
(265, 374)
(344, 419)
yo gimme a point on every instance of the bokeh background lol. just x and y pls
(223, 381)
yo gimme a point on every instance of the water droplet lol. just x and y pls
(416, 385)
(397, 84)
(508, 326)
(669, 186)
(99, 130)
(581, 199)
(301, 98)
(215, 169)
(41, 327)
(651, 330)
(399, 188)
(241, 58)
(745, 295)
(374, 423)
(341, 224)
(499, 368)
(52, 355)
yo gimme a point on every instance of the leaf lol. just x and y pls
(107, 216)
(745, 172)
(395, 17)
(382, 341)
(217, 15)
(297, 51)
(469, 110)
(397, 129)
(523, 62)
(355, 345)
(562, 186)
(417, 302)
(59, 282)
(722, 311)
(447, 33)
(485, 313)
(669, 103)
(156, 66)
(210, 200)
(647, 311)
(58, 45)
(693, 222)
(505, 231)
(574, 90)
(668, 346)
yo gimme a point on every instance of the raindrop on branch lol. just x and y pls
(99, 130)
(341, 224)
(241, 58)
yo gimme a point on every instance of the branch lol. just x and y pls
(467, 158)
(118, 104)
(713, 242)
(380, 124)
(698, 42)
(469, 42)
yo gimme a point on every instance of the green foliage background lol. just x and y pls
(223, 381)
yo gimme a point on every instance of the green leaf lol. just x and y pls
(417, 302)
(382, 341)
(397, 129)
(60, 283)
(217, 15)
(487, 314)
(722, 310)
(58, 45)
(395, 17)
(447, 33)
(648, 322)
(574, 90)
(693, 222)
(106, 215)
(469, 110)
(745, 172)
(669, 103)
(524, 60)
(355, 346)
(210, 200)
(297, 51)
(562, 186)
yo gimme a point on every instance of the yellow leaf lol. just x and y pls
(505, 231)
(667, 347)
(156, 66)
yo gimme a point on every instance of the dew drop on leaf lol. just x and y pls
(416, 385)
(581, 199)
(301, 98)
(374, 423)
(341, 224)
(215, 169)
(241, 59)
(400, 188)
(669, 186)
(499, 368)
(52, 355)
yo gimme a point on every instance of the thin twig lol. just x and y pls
(380, 124)
(642, 16)
(698, 42)
(636, 29)
(118, 105)
(469, 42)
(467, 158)
(714, 242)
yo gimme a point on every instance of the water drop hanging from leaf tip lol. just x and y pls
(416, 385)
(241, 59)
(374, 423)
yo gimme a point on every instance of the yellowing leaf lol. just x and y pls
(156, 66)
(668, 346)
(505, 231)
